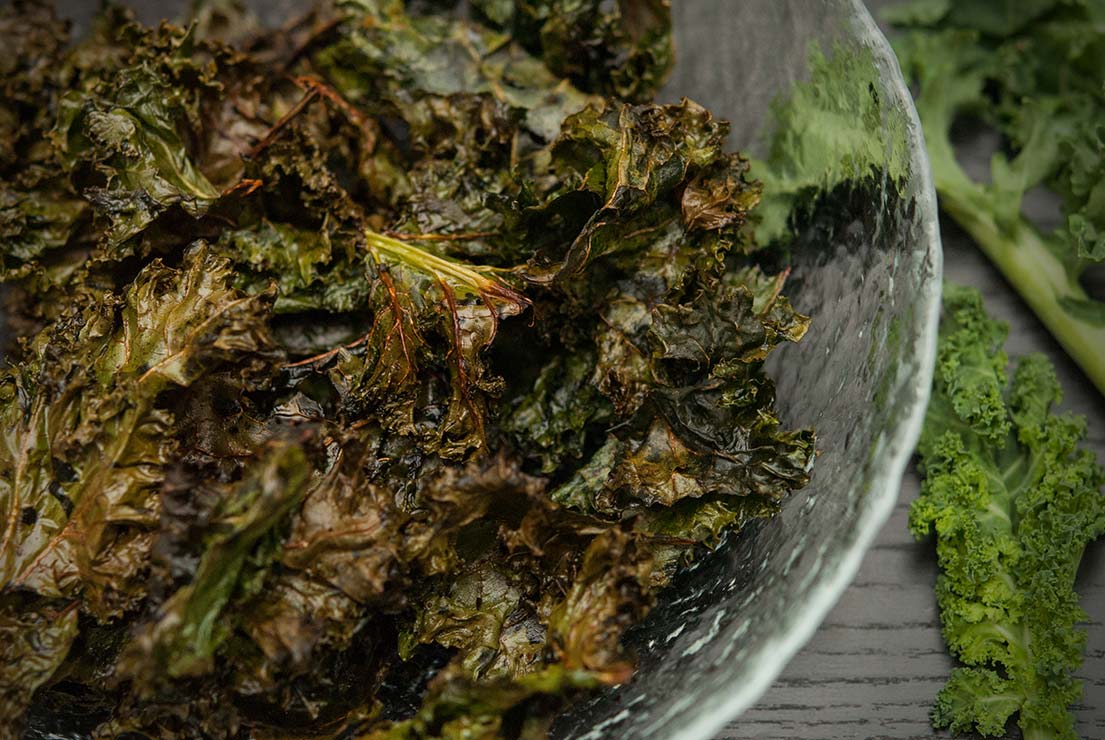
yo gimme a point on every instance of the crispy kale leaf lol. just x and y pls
(246, 522)
(87, 440)
(694, 390)
(621, 49)
(457, 707)
(1032, 74)
(34, 640)
(38, 210)
(1013, 500)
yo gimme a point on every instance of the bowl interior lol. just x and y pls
(866, 267)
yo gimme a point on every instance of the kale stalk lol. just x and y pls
(1033, 75)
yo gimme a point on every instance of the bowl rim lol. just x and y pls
(723, 703)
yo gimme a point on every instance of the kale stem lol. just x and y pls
(464, 278)
(1022, 256)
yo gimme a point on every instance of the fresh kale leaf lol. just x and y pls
(1029, 71)
(1013, 499)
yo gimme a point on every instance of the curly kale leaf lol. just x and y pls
(458, 707)
(36, 46)
(554, 418)
(413, 66)
(695, 392)
(433, 318)
(1013, 500)
(191, 625)
(594, 582)
(127, 134)
(87, 439)
(634, 160)
(610, 593)
(33, 643)
(482, 614)
(38, 210)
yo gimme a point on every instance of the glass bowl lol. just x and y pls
(869, 274)
(868, 271)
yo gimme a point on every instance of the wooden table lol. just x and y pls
(874, 666)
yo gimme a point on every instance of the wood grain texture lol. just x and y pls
(876, 663)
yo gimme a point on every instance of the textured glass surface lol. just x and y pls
(867, 269)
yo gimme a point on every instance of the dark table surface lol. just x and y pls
(874, 666)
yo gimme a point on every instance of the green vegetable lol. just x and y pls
(1013, 499)
(193, 622)
(369, 378)
(1032, 72)
(621, 49)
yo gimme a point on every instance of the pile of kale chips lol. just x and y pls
(390, 352)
